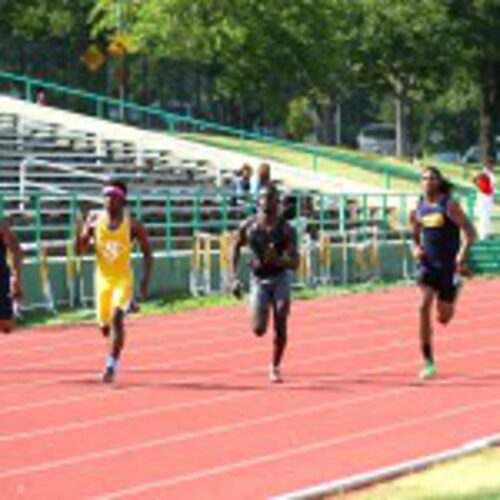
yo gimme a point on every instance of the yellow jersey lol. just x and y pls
(113, 249)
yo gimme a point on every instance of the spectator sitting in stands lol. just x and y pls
(242, 183)
(40, 97)
(262, 179)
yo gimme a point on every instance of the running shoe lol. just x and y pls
(428, 372)
(109, 375)
(275, 376)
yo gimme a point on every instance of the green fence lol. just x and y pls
(129, 112)
(343, 239)
(173, 218)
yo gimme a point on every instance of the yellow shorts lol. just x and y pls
(112, 295)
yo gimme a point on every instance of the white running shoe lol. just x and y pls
(275, 375)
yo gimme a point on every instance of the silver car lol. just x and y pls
(378, 138)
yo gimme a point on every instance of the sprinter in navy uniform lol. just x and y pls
(273, 254)
(440, 254)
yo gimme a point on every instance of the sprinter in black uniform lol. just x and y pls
(273, 249)
(10, 278)
(437, 224)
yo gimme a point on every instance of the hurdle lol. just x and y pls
(315, 261)
(45, 281)
(201, 276)
(325, 259)
(366, 256)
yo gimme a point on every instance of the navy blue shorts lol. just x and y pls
(6, 310)
(442, 280)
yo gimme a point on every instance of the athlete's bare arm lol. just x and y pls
(457, 215)
(416, 230)
(291, 259)
(140, 234)
(85, 233)
(12, 244)
(240, 240)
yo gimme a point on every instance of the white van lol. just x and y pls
(378, 138)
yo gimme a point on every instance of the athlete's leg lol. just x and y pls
(6, 305)
(281, 310)
(120, 300)
(104, 310)
(425, 323)
(105, 329)
(447, 297)
(446, 311)
(118, 333)
(6, 325)
(259, 306)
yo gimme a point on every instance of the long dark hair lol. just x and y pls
(445, 186)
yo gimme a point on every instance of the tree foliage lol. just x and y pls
(274, 52)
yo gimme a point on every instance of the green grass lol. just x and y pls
(180, 302)
(297, 158)
(475, 477)
(460, 174)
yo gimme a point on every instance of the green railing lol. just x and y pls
(174, 219)
(101, 106)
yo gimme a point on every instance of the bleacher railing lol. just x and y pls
(342, 238)
(129, 112)
(174, 218)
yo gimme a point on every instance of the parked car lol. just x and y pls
(447, 156)
(377, 138)
(473, 154)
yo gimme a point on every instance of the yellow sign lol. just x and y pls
(119, 45)
(93, 58)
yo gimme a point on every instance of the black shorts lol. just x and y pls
(6, 310)
(442, 281)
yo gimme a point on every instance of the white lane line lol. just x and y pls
(221, 429)
(9, 437)
(299, 450)
(386, 473)
(348, 353)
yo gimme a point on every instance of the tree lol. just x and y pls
(32, 19)
(477, 31)
(271, 51)
(406, 50)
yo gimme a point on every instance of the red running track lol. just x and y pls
(193, 416)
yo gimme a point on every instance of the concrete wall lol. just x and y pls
(348, 264)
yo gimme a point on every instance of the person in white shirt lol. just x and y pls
(485, 182)
(262, 179)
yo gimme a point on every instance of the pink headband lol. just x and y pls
(113, 191)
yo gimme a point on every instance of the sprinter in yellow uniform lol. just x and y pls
(112, 231)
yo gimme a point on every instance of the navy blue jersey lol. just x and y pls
(440, 237)
(268, 247)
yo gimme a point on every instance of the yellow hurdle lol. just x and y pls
(45, 280)
(203, 247)
(325, 258)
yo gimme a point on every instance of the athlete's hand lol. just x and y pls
(90, 223)
(462, 268)
(237, 289)
(418, 253)
(16, 289)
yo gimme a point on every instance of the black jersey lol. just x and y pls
(268, 246)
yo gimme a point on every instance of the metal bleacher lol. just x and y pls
(50, 174)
